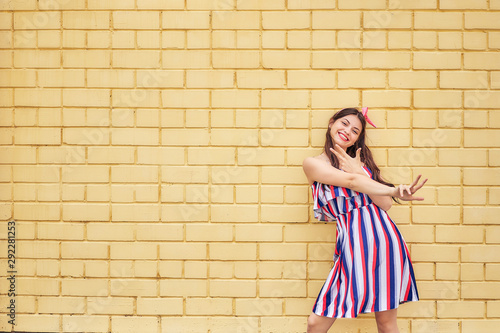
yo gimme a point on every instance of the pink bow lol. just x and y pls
(365, 111)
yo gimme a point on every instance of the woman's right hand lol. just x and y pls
(406, 192)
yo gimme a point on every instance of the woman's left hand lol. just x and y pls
(348, 163)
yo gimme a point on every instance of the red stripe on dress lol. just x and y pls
(362, 257)
(388, 258)
(375, 250)
(351, 282)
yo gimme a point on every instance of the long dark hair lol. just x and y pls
(365, 155)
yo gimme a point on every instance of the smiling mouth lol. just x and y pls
(343, 137)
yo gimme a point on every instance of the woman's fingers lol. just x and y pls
(416, 181)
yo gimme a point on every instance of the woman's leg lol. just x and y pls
(319, 324)
(386, 321)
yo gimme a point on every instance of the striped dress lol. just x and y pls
(372, 269)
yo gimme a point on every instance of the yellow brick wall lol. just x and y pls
(151, 151)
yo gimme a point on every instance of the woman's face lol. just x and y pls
(345, 131)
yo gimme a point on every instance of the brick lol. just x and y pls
(236, 20)
(437, 138)
(35, 174)
(284, 98)
(37, 97)
(208, 79)
(193, 59)
(37, 212)
(300, 79)
(178, 287)
(233, 288)
(437, 99)
(274, 59)
(416, 233)
(481, 99)
(284, 20)
(399, 40)
(485, 215)
(210, 232)
(447, 271)
(360, 79)
(361, 4)
(425, 40)
(332, 59)
(133, 287)
(111, 4)
(462, 157)
(136, 20)
(333, 99)
(492, 235)
(61, 305)
(33, 322)
(484, 325)
(481, 138)
(238, 251)
(110, 78)
(75, 323)
(463, 4)
(389, 137)
(386, 20)
(37, 136)
(81, 287)
(387, 98)
(389, 60)
(413, 79)
(295, 40)
(85, 20)
(480, 253)
(475, 40)
(159, 306)
(480, 290)
(436, 214)
(482, 20)
(136, 250)
(86, 212)
(259, 307)
(230, 137)
(212, 306)
(481, 60)
(136, 174)
(235, 98)
(191, 98)
(61, 78)
(93, 250)
(282, 288)
(37, 20)
(463, 79)
(66, 231)
(492, 271)
(438, 60)
(17, 78)
(434, 253)
(336, 20)
(260, 79)
(450, 40)
(438, 20)
(412, 157)
(461, 234)
(134, 324)
(457, 309)
(438, 290)
(128, 59)
(185, 20)
(261, 233)
(138, 212)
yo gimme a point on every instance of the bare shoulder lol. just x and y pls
(312, 163)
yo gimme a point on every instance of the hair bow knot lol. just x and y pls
(365, 111)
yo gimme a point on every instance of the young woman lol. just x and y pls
(372, 269)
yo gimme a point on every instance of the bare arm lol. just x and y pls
(327, 174)
(382, 201)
